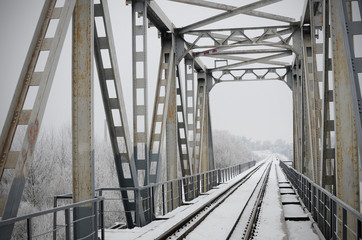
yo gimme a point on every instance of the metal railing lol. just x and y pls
(335, 219)
(64, 230)
(157, 200)
(161, 198)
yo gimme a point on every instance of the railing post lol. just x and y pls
(138, 203)
(344, 223)
(163, 199)
(320, 209)
(152, 204)
(172, 203)
(55, 203)
(333, 219)
(193, 187)
(95, 219)
(67, 224)
(325, 217)
(179, 193)
(28, 229)
(101, 215)
(218, 176)
(198, 185)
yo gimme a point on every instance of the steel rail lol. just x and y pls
(256, 208)
(186, 226)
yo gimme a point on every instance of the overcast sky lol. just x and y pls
(257, 110)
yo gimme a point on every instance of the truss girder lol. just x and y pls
(162, 98)
(312, 90)
(327, 128)
(251, 74)
(230, 8)
(241, 38)
(221, 16)
(190, 104)
(40, 80)
(327, 157)
(140, 90)
(115, 111)
(346, 116)
(199, 122)
(182, 132)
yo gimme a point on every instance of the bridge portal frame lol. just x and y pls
(315, 126)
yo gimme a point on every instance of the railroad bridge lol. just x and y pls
(317, 55)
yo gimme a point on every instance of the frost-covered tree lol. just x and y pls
(230, 150)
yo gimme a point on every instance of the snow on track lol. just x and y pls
(219, 223)
(271, 224)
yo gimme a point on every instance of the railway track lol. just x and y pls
(240, 223)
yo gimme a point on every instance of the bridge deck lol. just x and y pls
(281, 215)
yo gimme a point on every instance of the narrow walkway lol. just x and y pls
(297, 221)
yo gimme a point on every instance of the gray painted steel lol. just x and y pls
(183, 117)
(82, 117)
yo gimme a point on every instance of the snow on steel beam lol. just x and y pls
(250, 51)
(229, 8)
(207, 4)
(159, 18)
(229, 14)
(246, 59)
(251, 61)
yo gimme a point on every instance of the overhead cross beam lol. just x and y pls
(229, 14)
(229, 8)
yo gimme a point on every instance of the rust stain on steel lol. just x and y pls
(25, 86)
(32, 135)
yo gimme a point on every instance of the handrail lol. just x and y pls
(327, 210)
(48, 211)
(195, 185)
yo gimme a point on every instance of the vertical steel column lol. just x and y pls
(210, 157)
(115, 111)
(310, 79)
(190, 105)
(327, 124)
(171, 139)
(159, 118)
(316, 11)
(347, 170)
(182, 132)
(351, 27)
(82, 115)
(140, 89)
(297, 102)
(204, 154)
(199, 120)
(307, 158)
(171, 129)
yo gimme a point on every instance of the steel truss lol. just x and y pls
(326, 97)
(326, 107)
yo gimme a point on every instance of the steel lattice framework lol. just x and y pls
(315, 56)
